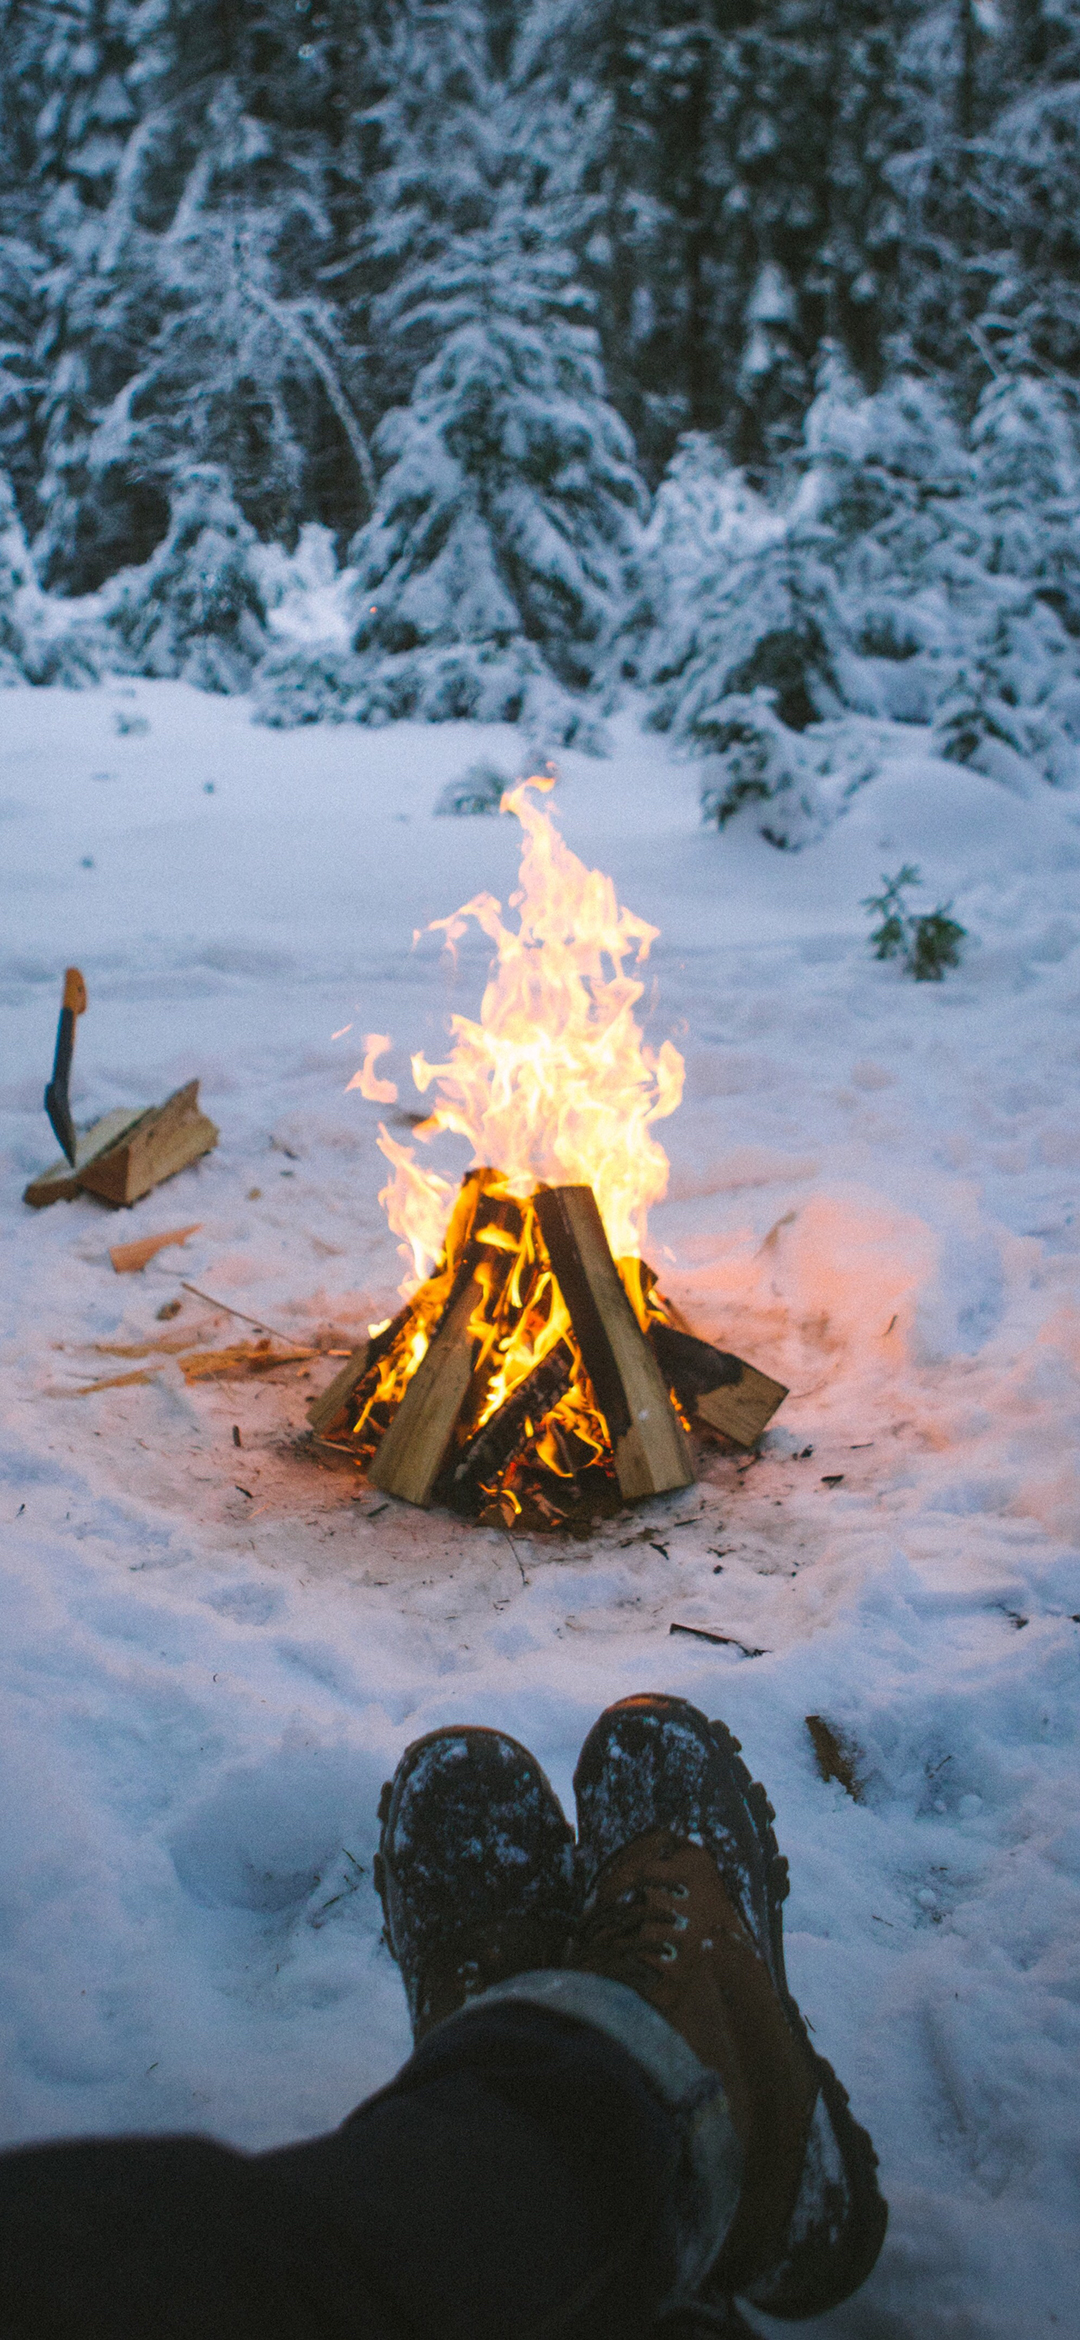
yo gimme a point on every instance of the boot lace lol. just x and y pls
(644, 1925)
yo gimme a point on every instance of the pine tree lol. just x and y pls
(741, 174)
(502, 540)
(75, 64)
(185, 326)
(21, 259)
(15, 576)
(1026, 441)
(752, 609)
(748, 634)
(236, 238)
(911, 570)
(36, 644)
(195, 608)
(505, 525)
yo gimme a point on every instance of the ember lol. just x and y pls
(535, 1373)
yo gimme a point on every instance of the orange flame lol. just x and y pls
(554, 1082)
(377, 1092)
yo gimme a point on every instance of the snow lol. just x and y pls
(211, 1657)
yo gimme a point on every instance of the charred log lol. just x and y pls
(343, 1395)
(691, 1367)
(482, 1462)
(722, 1392)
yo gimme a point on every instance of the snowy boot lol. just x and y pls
(475, 1869)
(683, 1889)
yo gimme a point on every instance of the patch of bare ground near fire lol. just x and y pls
(232, 1464)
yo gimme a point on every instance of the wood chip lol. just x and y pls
(837, 1756)
(233, 1364)
(169, 1345)
(114, 1381)
(127, 1257)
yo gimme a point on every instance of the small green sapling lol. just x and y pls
(928, 942)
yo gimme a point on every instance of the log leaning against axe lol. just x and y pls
(57, 1104)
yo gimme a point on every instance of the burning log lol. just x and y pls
(331, 1410)
(742, 1411)
(411, 1454)
(489, 1454)
(647, 1437)
(720, 1390)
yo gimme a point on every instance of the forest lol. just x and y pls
(442, 358)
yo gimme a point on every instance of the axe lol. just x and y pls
(56, 1095)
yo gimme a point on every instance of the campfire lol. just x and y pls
(535, 1373)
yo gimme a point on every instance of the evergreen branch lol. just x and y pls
(287, 324)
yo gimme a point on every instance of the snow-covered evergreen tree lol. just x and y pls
(741, 598)
(21, 267)
(1026, 442)
(746, 637)
(187, 224)
(744, 209)
(496, 561)
(911, 571)
(504, 530)
(15, 573)
(195, 608)
(76, 66)
(956, 551)
(41, 640)
(350, 267)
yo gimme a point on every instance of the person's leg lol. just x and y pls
(612, 2116)
(514, 2181)
(157, 2238)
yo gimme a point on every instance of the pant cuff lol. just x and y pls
(711, 2160)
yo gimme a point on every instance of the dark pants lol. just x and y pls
(514, 2182)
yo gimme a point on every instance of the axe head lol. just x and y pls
(59, 1112)
(56, 1095)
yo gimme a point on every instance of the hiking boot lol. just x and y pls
(683, 1891)
(475, 1869)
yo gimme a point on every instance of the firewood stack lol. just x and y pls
(533, 1378)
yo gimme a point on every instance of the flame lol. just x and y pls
(366, 1080)
(554, 1082)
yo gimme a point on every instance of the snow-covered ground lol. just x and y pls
(211, 1657)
